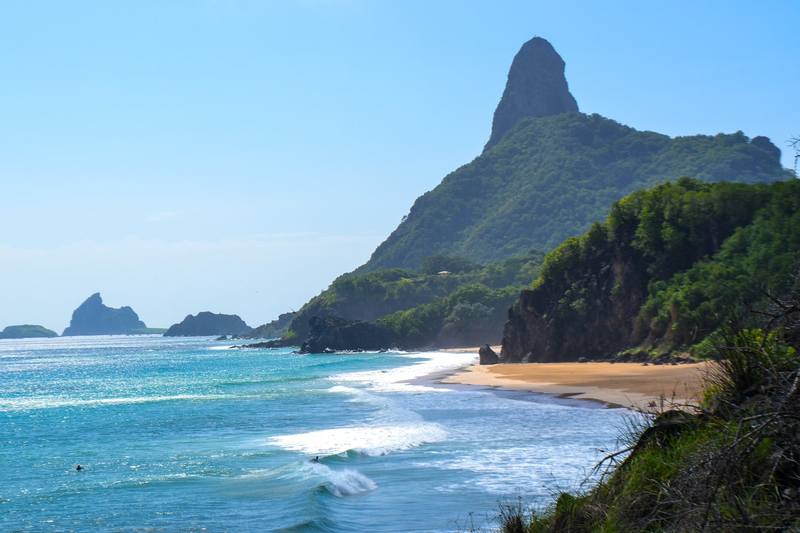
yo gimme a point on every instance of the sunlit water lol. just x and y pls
(185, 435)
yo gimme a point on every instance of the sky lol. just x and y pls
(236, 156)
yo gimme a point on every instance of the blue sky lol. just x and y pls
(236, 156)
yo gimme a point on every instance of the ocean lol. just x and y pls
(188, 435)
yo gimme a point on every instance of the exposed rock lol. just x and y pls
(487, 355)
(536, 333)
(206, 323)
(333, 333)
(274, 343)
(26, 331)
(94, 318)
(273, 330)
(536, 87)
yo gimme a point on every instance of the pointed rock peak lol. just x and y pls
(536, 87)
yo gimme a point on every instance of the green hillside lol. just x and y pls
(551, 177)
(26, 331)
(667, 269)
(373, 295)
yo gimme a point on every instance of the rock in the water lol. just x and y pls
(206, 324)
(94, 318)
(26, 331)
(536, 87)
(336, 334)
(487, 355)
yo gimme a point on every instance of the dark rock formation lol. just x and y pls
(94, 318)
(273, 330)
(26, 331)
(206, 324)
(487, 355)
(274, 343)
(538, 330)
(536, 87)
(333, 333)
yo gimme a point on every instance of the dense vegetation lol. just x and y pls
(731, 465)
(475, 290)
(550, 178)
(663, 273)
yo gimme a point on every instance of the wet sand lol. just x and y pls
(631, 385)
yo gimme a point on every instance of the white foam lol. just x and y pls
(367, 440)
(397, 379)
(22, 404)
(345, 482)
(340, 483)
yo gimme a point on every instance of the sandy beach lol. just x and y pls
(631, 385)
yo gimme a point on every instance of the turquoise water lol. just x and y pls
(185, 435)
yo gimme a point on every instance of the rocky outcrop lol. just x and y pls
(487, 356)
(536, 87)
(26, 331)
(206, 324)
(94, 318)
(273, 330)
(337, 334)
(543, 327)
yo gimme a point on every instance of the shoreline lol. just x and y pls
(627, 385)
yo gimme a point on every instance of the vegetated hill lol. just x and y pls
(92, 317)
(550, 178)
(549, 172)
(206, 323)
(730, 465)
(668, 267)
(26, 331)
(372, 295)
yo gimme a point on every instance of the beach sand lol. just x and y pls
(631, 385)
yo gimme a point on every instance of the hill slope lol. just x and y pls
(549, 172)
(551, 177)
(664, 272)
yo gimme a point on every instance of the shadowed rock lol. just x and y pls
(207, 324)
(94, 318)
(536, 87)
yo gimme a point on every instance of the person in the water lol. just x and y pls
(79, 468)
(315, 459)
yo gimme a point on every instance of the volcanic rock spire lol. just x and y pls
(536, 87)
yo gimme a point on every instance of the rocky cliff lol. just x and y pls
(92, 317)
(332, 334)
(665, 271)
(206, 324)
(536, 87)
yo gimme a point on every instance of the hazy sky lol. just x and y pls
(236, 156)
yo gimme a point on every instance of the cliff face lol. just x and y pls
(543, 326)
(206, 324)
(667, 269)
(332, 333)
(94, 318)
(536, 87)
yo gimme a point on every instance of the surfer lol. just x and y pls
(315, 459)
(79, 468)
